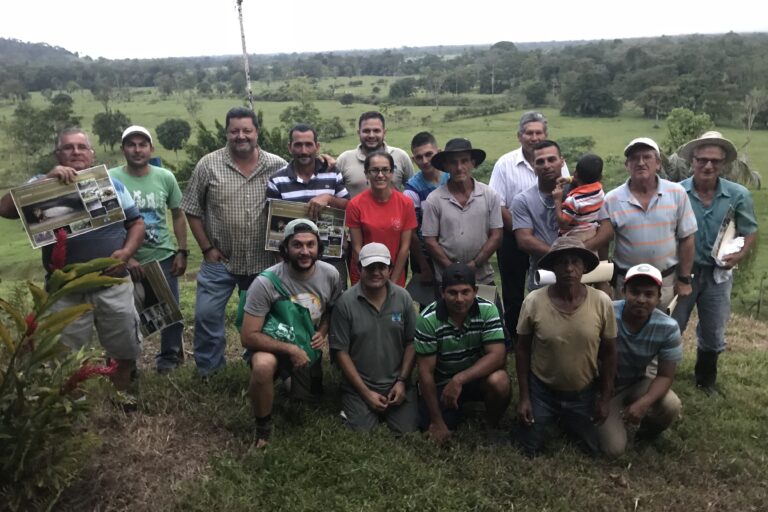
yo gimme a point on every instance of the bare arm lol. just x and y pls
(133, 238)
(489, 247)
(527, 242)
(356, 235)
(602, 238)
(317, 203)
(686, 248)
(210, 253)
(523, 367)
(607, 361)
(375, 401)
(436, 251)
(402, 255)
(506, 218)
(180, 231)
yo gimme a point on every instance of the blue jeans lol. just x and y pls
(713, 302)
(171, 352)
(573, 410)
(214, 288)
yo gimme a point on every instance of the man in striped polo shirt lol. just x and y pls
(653, 222)
(309, 179)
(461, 355)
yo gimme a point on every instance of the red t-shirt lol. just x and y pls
(380, 222)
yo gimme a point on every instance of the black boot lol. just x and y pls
(706, 371)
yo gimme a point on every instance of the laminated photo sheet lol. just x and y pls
(330, 223)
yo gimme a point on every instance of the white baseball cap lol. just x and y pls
(374, 252)
(644, 269)
(136, 129)
(642, 141)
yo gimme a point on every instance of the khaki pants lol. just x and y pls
(613, 433)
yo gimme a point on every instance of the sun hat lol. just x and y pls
(711, 138)
(566, 244)
(457, 146)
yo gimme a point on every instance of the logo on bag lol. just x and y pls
(285, 332)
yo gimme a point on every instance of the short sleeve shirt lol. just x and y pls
(535, 210)
(727, 195)
(154, 194)
(649, 235)
(317, 292)
(565, 345)
(374, 339)
(351, 166)
(659, 337)
(462, 230)
(232, 207)
(457, 347)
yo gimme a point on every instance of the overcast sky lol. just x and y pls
(172, 28)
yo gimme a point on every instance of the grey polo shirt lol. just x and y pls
(462, 231)
(375, 340)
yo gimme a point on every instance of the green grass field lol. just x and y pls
(189, 447)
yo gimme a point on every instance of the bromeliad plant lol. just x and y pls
(42, 407)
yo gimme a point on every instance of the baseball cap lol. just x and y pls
(374, 252)
(136, 129)
(644, 269)
(290, 228)
(458, 273)
(642, 141)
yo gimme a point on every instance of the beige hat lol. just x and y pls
(569, 244)
(712, 138)
(374, 252)
(642, 141)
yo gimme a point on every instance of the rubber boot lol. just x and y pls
(706, 370)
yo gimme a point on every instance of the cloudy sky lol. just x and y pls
(163, 28)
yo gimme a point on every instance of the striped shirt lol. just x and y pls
(649, 235)
(457, 348)
(285, 184)
(581, 207)
(659, 337)
(232, 207)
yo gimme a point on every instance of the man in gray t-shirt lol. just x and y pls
(311, 283)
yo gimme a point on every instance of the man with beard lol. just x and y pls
(311, 283)
(372, 131)
(156, 191)
(114, 314)
(309, 179)
(225, 207)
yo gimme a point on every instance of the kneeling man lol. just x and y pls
(372, 341)
(644, 333)
(461, 354)
(314, 285)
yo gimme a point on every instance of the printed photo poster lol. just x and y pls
(330, 223)
(154, 301)
(48, 205)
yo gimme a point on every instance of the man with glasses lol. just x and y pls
(653, 222)
(713, 199)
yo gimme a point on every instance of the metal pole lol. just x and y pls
(245, 54)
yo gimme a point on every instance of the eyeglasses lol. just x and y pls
(704, 161)
(379, 170)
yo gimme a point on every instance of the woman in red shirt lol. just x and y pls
(381, 214)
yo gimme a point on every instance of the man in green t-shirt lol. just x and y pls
(156, 191)
(461, 354)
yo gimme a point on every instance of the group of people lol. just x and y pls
(583, 361)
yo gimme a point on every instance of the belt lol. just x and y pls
(664, 273)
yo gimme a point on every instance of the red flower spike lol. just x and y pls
(87, 371)
(59, 252)
(31, 324)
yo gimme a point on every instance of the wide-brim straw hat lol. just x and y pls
(712, 138)
(569, 244)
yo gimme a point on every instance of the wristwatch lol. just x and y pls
(685, 279)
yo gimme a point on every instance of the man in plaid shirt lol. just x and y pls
(225, 203)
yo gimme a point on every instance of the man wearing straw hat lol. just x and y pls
(566, 337)
(713, 199)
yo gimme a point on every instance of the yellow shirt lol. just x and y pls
(565, 345)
